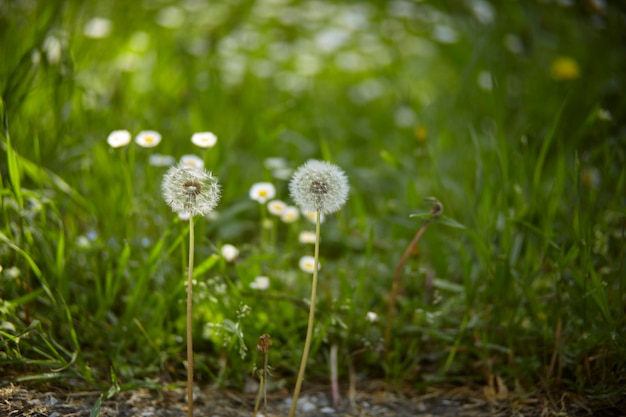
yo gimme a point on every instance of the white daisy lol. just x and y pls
(290, 215)
(307, 264)
(306, 237)
(119, 138)
(260, 283)
(204, 139)
(310, 215)
(371, 317)
(262, 192)
(229, 252)
(158, 160)
(276, 207)
(192, 161)
(148, 138)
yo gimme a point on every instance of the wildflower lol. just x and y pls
(311, 215)
(421, 134)
(195, 191)
(204, 139)
(319, 186)
(229, 252)
(273, 163)
(158, 160)
(192, 161)
(119, 138)
(307, 264)
(260, 283)
(290, 215)
(371, 317)
(306, 237)
(97, 28)
(276, 207)
(282, 173)
(564, 68)
(148, 138)
(262, 191)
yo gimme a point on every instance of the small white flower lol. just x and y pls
(306, 237)
(290, 215)
(148, 138)
(192, 161)
(119, 138)
(276, 207)
(260, 283)
(204, 139)
(311, 215)
(97, 28)
(307, 264)
(282, 173)
(275, 163)
(371, 317)
(229, 252)
(195, 191)
(262, 192)
(319, 186)
(158, 160)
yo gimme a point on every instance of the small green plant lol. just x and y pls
(263, 346)
(194, 192)
(322, 188)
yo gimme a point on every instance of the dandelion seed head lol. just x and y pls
(319, 186)
(189, 190)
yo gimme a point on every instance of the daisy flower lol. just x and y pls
(290, 215)
(306, 237)
(276, 207)
(229, 252)
(204, 139)
(158, 160)
(319, 186)
(310, 216)
(194, 191)
(119, 138)
(262, 192)
(148, 138)
(371, 317)
(192, 161)
(260, 283)
(307, 264)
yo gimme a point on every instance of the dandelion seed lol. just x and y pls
(262, 192)
(195, 191)
(290, 215)
(119, 138)
(204, 139)
(192, 161)
(276, 207)
(229, 252)
(319, 186)
(306, 237)
(307, 264)
(148, 138)
(260, 283)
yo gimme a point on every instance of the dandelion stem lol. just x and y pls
(189, 327)
(309, 330)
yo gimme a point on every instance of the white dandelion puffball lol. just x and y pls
(119, 138)
(229, 252)
(189, 190)
(260, 283)
(148, 138)
(262, 192)
(307, 264)
(319, 186)
(204, 139)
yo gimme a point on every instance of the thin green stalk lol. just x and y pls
(189, 327)
(309, 330)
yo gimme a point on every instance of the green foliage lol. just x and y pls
(510, 118)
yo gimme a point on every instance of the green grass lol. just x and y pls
(531, 289)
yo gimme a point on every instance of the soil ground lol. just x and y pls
(371, 399)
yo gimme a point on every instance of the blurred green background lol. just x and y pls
(510, 114)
